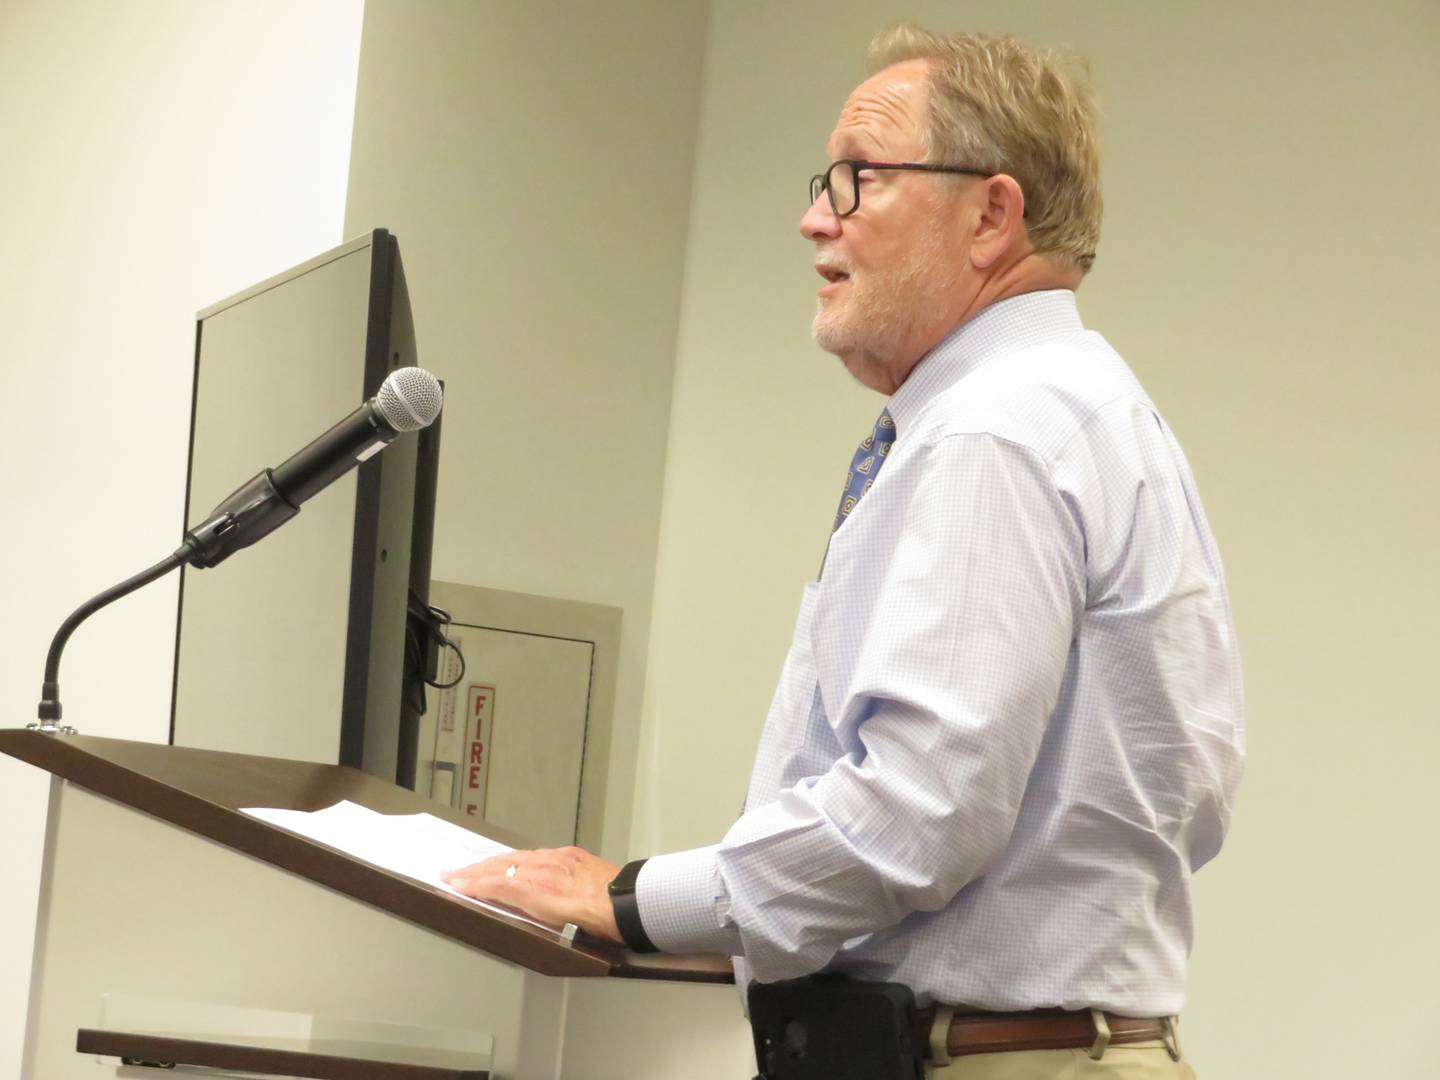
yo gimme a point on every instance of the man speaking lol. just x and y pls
(1010, 724)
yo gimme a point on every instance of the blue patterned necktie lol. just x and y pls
(865, 466)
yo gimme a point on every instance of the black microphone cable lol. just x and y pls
(427, 626)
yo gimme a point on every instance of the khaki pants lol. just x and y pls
(1138, 1061)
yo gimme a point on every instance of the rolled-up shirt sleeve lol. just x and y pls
(939, 699)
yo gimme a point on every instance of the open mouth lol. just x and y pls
(831, 275)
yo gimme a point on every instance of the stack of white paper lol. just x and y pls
(418, 846)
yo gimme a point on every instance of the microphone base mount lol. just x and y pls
(50, 727)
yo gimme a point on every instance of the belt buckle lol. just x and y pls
(1172, 1037)
(1102, 1034)
(940, 1036)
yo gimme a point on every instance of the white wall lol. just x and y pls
(159, 156)
(1269, 256)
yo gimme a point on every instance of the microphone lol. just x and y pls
(408, 400)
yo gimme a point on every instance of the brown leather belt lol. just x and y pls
(1048, 1029)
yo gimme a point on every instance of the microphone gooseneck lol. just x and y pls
(409, 399)
(49, 711)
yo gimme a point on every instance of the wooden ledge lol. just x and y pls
(202, 791)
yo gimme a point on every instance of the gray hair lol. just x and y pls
(999, 105)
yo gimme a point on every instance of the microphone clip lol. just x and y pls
(251, 512)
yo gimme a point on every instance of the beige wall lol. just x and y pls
(150, 169)
(534, 160)
(1269, 249)
(1268, 259)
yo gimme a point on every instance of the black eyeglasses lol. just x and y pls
(841, 181)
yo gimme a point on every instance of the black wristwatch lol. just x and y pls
(627, 908)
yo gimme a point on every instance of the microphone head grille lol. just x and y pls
(409, 399)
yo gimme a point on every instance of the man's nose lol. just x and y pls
(819, 222)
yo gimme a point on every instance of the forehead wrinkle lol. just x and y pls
(880, 114)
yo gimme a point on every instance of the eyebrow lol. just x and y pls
(849, 150)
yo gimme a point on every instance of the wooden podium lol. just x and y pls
(163, 907)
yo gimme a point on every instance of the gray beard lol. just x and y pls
(877, 322)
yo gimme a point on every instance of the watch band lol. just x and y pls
(627, 908)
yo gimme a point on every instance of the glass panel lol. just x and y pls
(842, 188)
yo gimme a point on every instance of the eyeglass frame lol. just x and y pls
(821, 181)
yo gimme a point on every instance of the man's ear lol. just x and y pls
(1001, 222)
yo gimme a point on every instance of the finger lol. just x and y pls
(512, 892)
(495, 864)
(479, 888)
(484, 887)
(503, 879)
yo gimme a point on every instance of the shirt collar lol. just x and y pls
(1016, 322)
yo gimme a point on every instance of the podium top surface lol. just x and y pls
(202, 791)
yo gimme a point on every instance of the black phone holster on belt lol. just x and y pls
(828, 1027)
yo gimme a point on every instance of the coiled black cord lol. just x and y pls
(426, 625)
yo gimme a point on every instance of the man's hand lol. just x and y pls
(554, 886)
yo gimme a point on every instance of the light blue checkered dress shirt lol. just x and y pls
(1010, 725)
